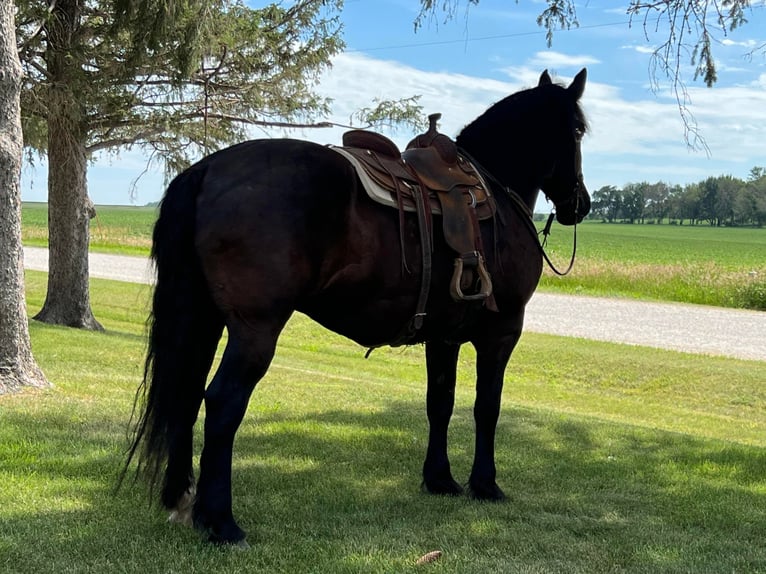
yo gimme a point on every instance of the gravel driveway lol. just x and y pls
(688, 328)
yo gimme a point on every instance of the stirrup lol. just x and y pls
(476, 261)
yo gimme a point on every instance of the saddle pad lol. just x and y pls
(385, 196)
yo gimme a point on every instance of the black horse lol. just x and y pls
(254, 232)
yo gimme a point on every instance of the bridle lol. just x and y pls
(546, 231)
(527, 214)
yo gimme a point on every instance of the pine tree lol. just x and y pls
(175, 78)
(17, 366)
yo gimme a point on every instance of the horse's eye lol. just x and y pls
(579, 132)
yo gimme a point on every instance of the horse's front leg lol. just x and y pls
(492, 355)
(441, 366)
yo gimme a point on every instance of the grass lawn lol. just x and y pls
(615, 459)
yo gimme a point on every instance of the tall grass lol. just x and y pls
(724, 267)
(615, 459)
(114, 229)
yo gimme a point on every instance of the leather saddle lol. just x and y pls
(431, 160)
(430, 178)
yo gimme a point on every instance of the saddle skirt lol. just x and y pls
(391, 177)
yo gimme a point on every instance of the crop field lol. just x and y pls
(614, 459)
(708, 265)
(115, 229)
(714, 266)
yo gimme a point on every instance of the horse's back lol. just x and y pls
(271, 171)
(276, 189)
(260, 204)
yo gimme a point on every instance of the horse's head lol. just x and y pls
(530, 141)
(563, 184)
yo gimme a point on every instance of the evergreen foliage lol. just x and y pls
(178, 78)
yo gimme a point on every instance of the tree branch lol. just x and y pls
(146, 134)
(23, 47)
(262, 123)
(123, 141)
(39, 68)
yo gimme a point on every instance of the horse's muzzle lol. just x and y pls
(574, 210)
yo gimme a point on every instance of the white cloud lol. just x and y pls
(355, 80)
(631, 139)
(641, 49)
(743, 44)
(556, 60)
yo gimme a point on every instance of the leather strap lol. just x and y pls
(424, 216)
(420, 195)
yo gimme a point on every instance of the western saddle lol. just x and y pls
(430, 178)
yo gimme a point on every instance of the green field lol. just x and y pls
(115, 229)
(707, 265)
(615, 459)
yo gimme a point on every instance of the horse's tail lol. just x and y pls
(184, 329)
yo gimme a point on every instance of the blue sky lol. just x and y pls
(462, 66)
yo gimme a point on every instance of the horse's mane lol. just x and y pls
(514, 110)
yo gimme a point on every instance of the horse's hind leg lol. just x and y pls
(178, 490)
(246, 359)
(441, 365)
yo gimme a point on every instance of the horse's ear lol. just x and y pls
(577, 87)
(545, 79)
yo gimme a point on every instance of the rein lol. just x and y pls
(528, 220)
(545, 233)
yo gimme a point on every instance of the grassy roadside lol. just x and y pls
(615, 459)
(724, 267)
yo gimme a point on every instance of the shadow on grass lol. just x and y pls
(589, 496)
(338, 491)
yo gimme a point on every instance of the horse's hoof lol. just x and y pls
(225, 534)
(182, 513)
(446, 487)
(178, 516)
(229, 541)
(490, 492)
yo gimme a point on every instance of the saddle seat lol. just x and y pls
(389, 176)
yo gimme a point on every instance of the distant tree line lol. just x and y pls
(718, 201)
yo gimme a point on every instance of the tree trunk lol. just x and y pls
(17, 366)
(67, 300)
